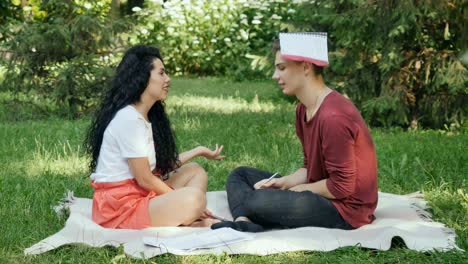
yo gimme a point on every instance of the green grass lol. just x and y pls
(40, 160)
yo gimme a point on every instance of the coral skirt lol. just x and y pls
(122, 204)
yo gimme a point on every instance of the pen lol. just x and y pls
(269, 179)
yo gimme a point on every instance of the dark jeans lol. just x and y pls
(278, 208)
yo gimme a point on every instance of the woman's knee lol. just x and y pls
(194, 200)
(180, 207)
(197, 169)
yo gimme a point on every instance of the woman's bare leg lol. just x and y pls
(186, 204)
(180, 207)
(189, 175)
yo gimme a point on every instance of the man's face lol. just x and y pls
(288, 74)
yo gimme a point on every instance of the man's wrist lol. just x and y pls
(285, 182)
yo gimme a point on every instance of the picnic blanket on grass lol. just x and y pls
(397, 216)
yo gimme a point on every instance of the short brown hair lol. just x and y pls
(318, 70)
(276, 46)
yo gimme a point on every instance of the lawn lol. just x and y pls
(41, 159)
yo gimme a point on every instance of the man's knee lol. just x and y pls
(238, 172)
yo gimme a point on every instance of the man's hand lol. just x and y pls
(275, 183)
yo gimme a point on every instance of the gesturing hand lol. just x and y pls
(212, 154)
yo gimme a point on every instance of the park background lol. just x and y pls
(403, 63)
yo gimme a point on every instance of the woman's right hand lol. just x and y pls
(211, 154)
(275, 183)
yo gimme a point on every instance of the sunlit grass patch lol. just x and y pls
(216, 87)
(60, 159)
(219, 104)
(190, 123)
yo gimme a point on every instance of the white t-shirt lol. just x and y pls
(128, 135)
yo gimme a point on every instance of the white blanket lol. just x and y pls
(396, 216)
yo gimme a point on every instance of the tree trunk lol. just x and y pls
(115, 9)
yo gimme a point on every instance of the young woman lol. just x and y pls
(139, 179)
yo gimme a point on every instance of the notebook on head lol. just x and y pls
(305, 46)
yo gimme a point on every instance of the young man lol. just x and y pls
(337, 186)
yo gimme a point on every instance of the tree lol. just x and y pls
(398, 60)
(63, 50)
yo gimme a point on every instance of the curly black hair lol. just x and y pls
(130, 81)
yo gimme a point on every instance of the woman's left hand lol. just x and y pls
(211, 154)
(206, 214)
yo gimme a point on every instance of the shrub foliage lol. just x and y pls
(61, 50)
(399, 61)
(222, 37)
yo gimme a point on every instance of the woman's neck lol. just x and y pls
(142, 108)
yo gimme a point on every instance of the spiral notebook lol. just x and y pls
(305, 46)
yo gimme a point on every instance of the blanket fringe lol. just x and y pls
(415, 195)
(420, 205)
(64, 204)
(451, 238)
(423, 214)
(449, 231)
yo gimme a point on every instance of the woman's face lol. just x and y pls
(158, 83)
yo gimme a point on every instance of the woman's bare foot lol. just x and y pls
(207, 222)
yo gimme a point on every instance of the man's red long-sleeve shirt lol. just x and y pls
(338, 147)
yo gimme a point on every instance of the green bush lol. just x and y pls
(226, 37)
(62, 50)
(400, 61)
